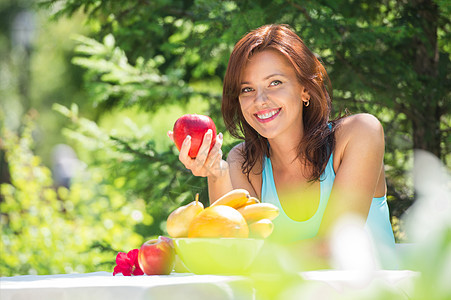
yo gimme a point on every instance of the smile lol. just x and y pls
(266, 116)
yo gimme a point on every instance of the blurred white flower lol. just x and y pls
(351, 246)
(432, 208)
(428, 228)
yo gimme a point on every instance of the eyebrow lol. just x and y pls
(266, 78)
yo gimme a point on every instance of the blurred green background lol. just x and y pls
(107, 79)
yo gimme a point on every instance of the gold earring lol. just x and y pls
(307, 103)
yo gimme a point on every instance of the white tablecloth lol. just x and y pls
(102, 285)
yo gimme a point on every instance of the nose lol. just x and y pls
(261, 96)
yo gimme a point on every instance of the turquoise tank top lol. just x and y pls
(288, 230)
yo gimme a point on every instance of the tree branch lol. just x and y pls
(302, 9)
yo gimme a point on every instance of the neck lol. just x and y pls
(284, 148)
(284, 152)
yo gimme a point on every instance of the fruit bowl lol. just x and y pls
(227, 256)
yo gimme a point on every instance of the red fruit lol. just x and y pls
(196, 126)
(157, 257)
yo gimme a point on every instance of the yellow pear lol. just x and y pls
(220, 221)
(180, 219)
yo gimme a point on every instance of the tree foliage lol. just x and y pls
(390, 58)
(386, 54)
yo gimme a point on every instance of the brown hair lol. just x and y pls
(318, 141)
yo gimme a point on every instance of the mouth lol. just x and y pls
(267, 115)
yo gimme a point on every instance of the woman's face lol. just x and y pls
(271, 96)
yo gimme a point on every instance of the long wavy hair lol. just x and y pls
(318, 141)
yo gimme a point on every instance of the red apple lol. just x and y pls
(157, 257)
(196, 126)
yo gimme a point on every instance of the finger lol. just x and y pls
(213, 162)
(183, 156)
(215, 152)
(218, 144)
(219, 139)
(204, 148)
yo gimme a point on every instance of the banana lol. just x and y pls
(261, 228)
(234, 198)
(255, 212)
(251, 200)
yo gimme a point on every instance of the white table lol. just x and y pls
(102, 285)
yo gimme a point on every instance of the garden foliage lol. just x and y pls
(50, 230)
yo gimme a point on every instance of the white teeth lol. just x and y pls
(267, 115)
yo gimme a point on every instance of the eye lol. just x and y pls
(275, 83)
(246, 90)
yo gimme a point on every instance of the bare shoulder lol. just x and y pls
(358, 133)
(359, 126)
(236, 154)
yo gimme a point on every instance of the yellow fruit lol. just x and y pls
(219, 221)
(251, 200)
(255, 212)
(234, 198)
(179, 220)
(261, 229)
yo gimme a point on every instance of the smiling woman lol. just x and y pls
(280, 58)
(277, 98)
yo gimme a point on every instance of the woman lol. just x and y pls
(277, 97)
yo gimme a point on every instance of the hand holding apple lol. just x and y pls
(200, 153)
(195, 126)
(157, 257)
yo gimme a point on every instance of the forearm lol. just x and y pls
(219, 186)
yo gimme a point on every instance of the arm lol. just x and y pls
(233, 177)
(219, 185)
(360, 151)
(238, 178)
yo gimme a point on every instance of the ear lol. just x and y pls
(305, 95)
